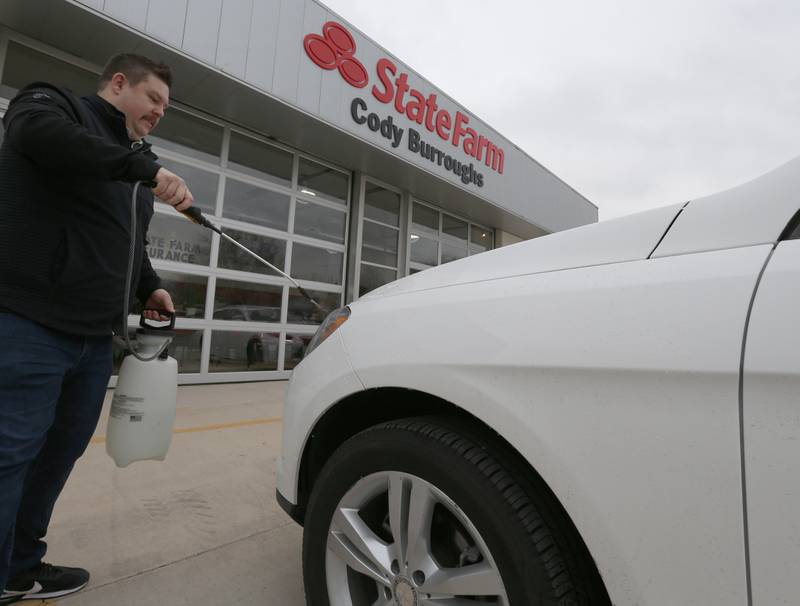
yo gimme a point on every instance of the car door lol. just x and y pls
(771, 427)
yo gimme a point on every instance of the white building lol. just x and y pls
(309, 143)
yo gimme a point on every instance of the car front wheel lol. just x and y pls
(420, 512)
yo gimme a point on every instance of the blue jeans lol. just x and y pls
(52, 387)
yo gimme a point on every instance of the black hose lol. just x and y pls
(128, 279)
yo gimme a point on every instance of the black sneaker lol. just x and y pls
(46, 581)
(9, 598)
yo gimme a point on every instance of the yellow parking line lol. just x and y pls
(102, 440)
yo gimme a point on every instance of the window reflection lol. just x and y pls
(481, 239)
(185, 347)
(188, 293)
(233, 257)
(294, 350)
(255, 158)
(454, 228)
(380, 244)
(318, 221)
(174, 238)
(424, 250)
(236, 351)
(202, 183)
(247, 302)
(373, 277)
(182, 132)
(425, 221)
(302, 311)
(318, 180)
(253, 204)
(317, 264)
(451, 253)
(382, 205)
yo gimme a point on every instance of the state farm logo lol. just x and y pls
(336, 49)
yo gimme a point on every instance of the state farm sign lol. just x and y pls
(335, 50)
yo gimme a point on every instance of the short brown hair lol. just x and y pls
(136, 68)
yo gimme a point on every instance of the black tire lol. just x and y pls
(540, 557)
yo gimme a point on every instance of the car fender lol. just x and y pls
(620, 388)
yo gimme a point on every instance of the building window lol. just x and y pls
(437, 237)
(380, 238)
(257, 205)
(322, 181)
(247, 302)
(243, 351)
(253, 157)
(189, 135)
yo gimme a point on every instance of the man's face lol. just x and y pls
(143, 104)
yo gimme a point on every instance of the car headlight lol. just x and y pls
(331, 324)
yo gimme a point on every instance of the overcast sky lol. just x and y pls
(634, 103)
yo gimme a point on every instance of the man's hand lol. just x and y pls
(170, 188)
(158, 299)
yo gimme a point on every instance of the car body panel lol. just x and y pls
(624, 239)
(753, 213)
(610, 358)
(771, 396)
(636, 430)
(314, 388)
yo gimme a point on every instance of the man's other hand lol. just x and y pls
(170, 188)
(158, 299)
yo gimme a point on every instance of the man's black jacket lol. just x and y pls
(66, 179)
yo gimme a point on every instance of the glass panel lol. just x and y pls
(185, 348)
(455, 228)
(188, 293)
(248, 302)
(382, 205)
(380, 244)
(315, 179)
(178, 239)
(372, 277)
(424, 250)
(202, 183)
(425, 221)
(451, 253)
(232, 257)
(481, 239)
(317, 264)
(189, 135)
(318, 221)
(295, 349)
(233, 351)
(259, 159)
(301, 311)
(25, 65)
(253, 204)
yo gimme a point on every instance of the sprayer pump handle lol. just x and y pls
(170, 314)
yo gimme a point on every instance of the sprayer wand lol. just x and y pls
(194, 215)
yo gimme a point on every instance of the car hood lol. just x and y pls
(625, 239)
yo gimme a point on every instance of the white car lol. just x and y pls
(606, 415)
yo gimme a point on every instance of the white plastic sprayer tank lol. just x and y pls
(143, 408)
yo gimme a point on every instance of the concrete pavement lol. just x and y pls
(201, 527)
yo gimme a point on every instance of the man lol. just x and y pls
(67, 169)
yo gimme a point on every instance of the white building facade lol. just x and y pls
(307, 142)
